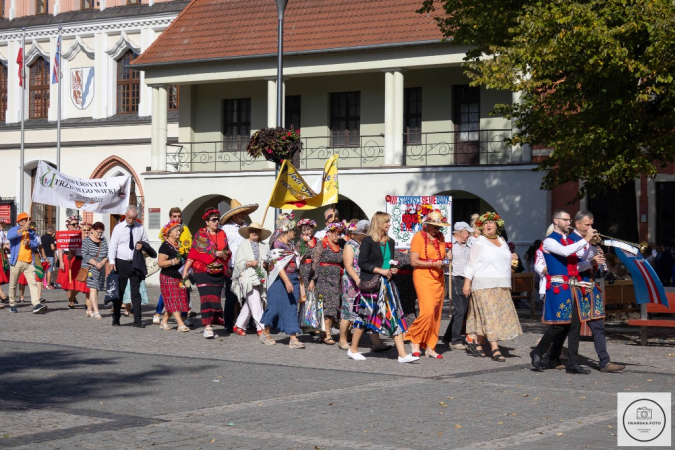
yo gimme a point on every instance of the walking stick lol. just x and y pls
(450, 287)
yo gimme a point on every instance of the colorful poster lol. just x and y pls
(408, 211)
(66, 240)
(101, 195)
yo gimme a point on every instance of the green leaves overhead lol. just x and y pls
(595, 77)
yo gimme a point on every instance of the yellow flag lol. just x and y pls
(292, 191)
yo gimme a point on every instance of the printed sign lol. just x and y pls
(407, 213)
(101, 195)
(82, 86)
(5, 213)
(68, 240)
(154, 218)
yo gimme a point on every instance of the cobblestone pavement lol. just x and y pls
(70, 382)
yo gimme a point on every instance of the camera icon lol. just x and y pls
(644, 413)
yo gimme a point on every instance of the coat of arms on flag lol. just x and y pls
(82, 86)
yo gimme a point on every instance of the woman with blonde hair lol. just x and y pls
(379, 306)
(488, 281)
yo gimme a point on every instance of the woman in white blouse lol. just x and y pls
(488, 281)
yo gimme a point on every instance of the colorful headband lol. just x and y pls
(490, 217)
(350, 227)
(336, 227)
(166, 229)
(86, 224)
(71, 218)
(210, 212)
(309, 222)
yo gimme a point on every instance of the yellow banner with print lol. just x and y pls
(291, 191)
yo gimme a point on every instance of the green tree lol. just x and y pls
(595, 77)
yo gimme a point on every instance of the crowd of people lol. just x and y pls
(347, 275)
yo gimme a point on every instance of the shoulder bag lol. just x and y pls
(83, 273)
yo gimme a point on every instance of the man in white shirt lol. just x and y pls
(331, 215)
(125, 237)
(460, 302)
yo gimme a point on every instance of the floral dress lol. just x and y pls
(350, 291)
(327, 275)
(305, 251)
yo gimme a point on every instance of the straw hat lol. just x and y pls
(246, 231)
(436, 218)
(236, 208)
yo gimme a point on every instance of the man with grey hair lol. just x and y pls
(125, 237)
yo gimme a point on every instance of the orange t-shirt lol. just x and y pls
(25, 253)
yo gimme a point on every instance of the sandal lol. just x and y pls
(96, 316)
(497, 356)
(296, 344)
(166, 327)
(327, 339)
(184, 328)
(344, 345)
(89, 313)
(267, 339)
(473, 348)
(71, 306)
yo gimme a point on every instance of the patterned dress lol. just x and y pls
(90, 250)
(406, 288)
(350, 291)
(305, 251)
(327, 275)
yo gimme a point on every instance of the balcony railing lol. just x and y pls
(447, 148)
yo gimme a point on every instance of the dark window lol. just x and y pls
(237, 126)
(3, 92)
(39, 89)
(345, 118)
(665, 214)
(128, 85)
(467, 113)
(41, 7)
(87, 4)
(349, 210)
(464, 208)
(412, 116)
(172, 95)
(292, 112)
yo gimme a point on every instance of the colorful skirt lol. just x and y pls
(210, 289)
(381, 311)
(4, 267)
(175, 296)
(282, 307)
(492, 314)
(69, 283)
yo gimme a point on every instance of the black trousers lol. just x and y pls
(556, 332)
(597, 327)
(230, 300)
(126, 277)
(460, 306)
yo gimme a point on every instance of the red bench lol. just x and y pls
(652, 308)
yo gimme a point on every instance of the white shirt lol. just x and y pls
(460, 257)
(320, 234)
(234, 239)
(556, 248)
(3, 238)
(119, 241)
(539, 267)
(489, 266)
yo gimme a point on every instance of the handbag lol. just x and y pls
(371, 285)
(112, 291)
(83, 273)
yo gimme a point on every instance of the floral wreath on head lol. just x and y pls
(285, 222)
(336, 227)
(71, 218)
(350, 227)
(166, 229)
(309, 222)
(86, 224)
(210, 212)
(490, 216)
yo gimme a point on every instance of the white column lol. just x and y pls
(144, 104)
(57, 8)
(12, 10)
(388, 118)
(271, 102)
(398, 118)
(163, 107)
(154, 129)
(102, 82)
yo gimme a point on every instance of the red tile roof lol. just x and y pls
(221, 29)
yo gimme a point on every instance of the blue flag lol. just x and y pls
(648, 287)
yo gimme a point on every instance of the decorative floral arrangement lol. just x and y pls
(393, 263)
(185, 284)
(336, 227)
(275, 144)
(286, 222)
(209, 212)
(490, 216)
(309, 222)
(350, 227)
(260, 273)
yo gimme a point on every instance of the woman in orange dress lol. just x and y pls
(427, 256)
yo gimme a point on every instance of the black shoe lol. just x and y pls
(577, 369)
(138, 325)
(116, 322)
(536, 364)
(555, 364)
(39, 309)
(43, 300)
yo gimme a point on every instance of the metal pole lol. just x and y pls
(281, 8)
(23, 88)
(58, 119)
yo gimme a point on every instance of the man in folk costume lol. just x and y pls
(590, 257)
(564, 308)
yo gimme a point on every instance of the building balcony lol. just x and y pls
(445, 148)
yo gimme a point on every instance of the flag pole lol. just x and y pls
(58, 115)
(22, 82)
(274, 188)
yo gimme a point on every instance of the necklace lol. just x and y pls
(333, 247)
(492, 236)
(437, 247)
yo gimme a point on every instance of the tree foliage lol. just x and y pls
(595, 77)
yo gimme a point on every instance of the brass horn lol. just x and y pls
(642, 246)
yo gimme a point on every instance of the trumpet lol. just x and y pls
(642, 246)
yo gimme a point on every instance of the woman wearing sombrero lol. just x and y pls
(428, 256)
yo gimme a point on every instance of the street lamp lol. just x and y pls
(281, 8)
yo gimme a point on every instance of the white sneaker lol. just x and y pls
(156, 319)
(408, 359)
(208, 333)
(355, 356)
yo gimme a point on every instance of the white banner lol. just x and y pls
(101, 195)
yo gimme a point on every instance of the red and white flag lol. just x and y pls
(19, 61)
